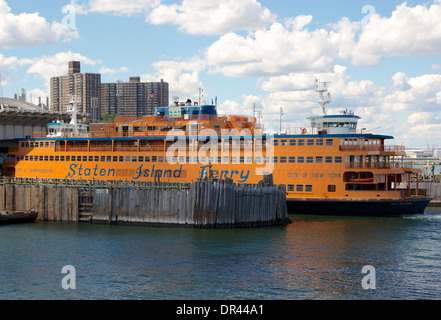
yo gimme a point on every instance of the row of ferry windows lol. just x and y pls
(36, 144)
(303, 142)
(276, 142)
(306, 188)
(187, 159)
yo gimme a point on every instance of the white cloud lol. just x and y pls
(115, 7)
(112, 71)
(46, 67)
(212, 17)
(409, 31)
(29, 29)
(274, 51)
(182, 76)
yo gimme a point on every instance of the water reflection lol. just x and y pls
(312, 258)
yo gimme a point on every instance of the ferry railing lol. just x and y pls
(301, 131)
(391, 150)
(413, 193)
(375, 165)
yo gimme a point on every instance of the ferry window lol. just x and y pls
(36, 158)
(310, 142)
(290, 187)
(266, 159)
(61, 158)
(32, 145)
(22, 144)
(31, 158)
(84, 158)
(154, 158)
(96, 158)
(174, 159)
(74, 158)
(203, 159)
(40, 158)
(309, 159)
(275, 159)
(331, 188)
(292, 142)
(115, 158)
(318, 159)
(57, 158)
(275, 142)
(328, 159)
(292, 159)
(299, 188)
(26, 158)
(195, 160)
(67, 158)
(233, 159)
(242, 159)
(249, 159)
(282, 159)
(91, 158)
(140, 159)
(103, 158)
(329, 142)
(319, 142)
(27, 144)
(308, 188)
(181, 159)
(147, 159)
(46, 158)
(160, 158)
(121, 159)
(338, 159)
(301, 159)
(219, 159)
(210, 159)
(283, 143)
(134, 158)
(225, 159)
(127, 158)
(187, 159)
(51, 158)
(52, 144)
(167, 159)
(258, 159)
(301, 142)
(46, 144)
(109, 158)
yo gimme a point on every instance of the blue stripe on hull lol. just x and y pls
(358, 207)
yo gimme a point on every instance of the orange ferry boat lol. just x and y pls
(330, 167)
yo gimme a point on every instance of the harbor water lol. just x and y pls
(315, 257)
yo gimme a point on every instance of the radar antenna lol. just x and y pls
(324, 95)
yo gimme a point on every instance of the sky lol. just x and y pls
(382, 58)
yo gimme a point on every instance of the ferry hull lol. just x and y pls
(353, 207)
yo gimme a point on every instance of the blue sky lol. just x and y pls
(383, 58)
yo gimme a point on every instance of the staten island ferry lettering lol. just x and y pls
(328, 166)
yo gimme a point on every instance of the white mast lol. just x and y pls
(325, 96)
(74, 101)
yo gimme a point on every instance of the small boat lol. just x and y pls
(14, 217)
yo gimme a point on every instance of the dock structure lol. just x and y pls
(200, 204)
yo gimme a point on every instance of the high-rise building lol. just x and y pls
(85, 86)
(133, 98)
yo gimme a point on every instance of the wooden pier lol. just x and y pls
(201, 204)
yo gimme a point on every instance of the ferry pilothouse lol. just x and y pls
(329, 167)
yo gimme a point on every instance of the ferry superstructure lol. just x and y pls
(329, 167)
